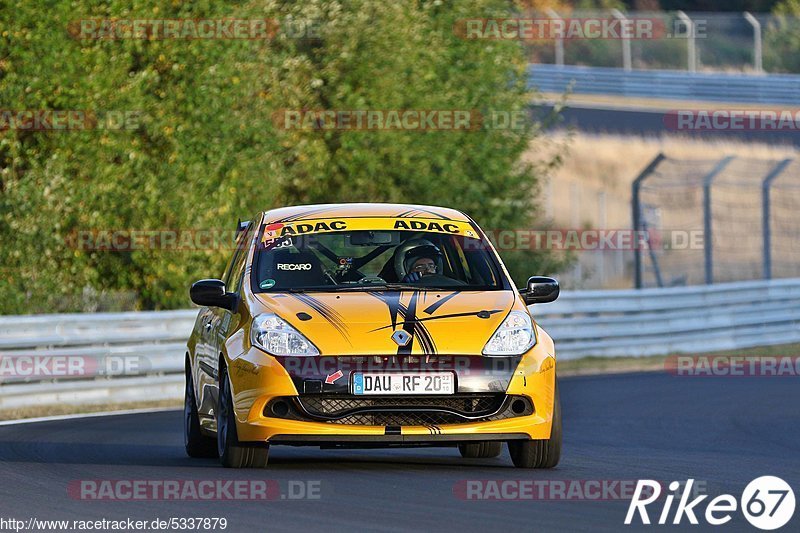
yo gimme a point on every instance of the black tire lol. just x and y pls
(540, 453)
(231, 453)
(196, 444)
(481, 450)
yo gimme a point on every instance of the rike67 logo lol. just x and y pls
(767, 503)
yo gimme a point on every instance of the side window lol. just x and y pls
(227, 272)
(227, 275)
(233, 272)
(237, 267)
(238, 270)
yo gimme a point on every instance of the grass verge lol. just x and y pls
(54, 410)
(620, 365)
(655, 104)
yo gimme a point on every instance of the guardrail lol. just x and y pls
(696, 319)
(667, 84)
(115, 357)
(612, 323)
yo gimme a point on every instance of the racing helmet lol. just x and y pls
(407, 253)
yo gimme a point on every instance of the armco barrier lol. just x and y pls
(613, 323)
(700, 318)
(155, 341)
(667, 84)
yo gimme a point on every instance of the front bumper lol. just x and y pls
(258, 381)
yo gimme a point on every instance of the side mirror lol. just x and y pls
(540, 290)
(211, 293)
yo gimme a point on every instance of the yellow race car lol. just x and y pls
(365, 325)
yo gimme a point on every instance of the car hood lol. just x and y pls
(363, 323)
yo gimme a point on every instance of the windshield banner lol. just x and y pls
(279, 230)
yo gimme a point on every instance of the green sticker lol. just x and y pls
(267, 284)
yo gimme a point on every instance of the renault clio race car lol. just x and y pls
(364, 325)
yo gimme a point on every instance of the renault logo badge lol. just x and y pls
(401, 337)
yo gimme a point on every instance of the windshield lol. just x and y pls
(369, 259)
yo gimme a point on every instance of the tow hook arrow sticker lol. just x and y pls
(333, 377)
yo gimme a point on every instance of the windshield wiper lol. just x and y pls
(332, 288)
(368, 287)
(386, 287)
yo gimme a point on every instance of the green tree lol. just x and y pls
(204, 149)
(782, 38)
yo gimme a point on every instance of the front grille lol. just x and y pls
(434, 418)
(467, 405)
(401, 411)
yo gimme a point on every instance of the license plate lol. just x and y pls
(406, 383)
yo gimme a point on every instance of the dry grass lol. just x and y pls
(606, 165)
(54, 410)
(634, 102)
(619, 365)
(592, 189)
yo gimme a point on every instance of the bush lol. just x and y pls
(203, 149)
(782, 39)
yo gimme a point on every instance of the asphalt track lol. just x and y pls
(651, 123)
(722, 431)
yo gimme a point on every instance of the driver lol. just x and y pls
(422, 260)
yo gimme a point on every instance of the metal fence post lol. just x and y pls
(690, 41)
(575, 222)
(559, 40)
(758, 55)
(765, 214)
(600, 255)
(636, 211)
(626, 42)
(708, 245)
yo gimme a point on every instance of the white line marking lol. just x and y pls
(87, 415)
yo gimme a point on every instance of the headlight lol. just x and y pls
(515, 336)
(274, 335)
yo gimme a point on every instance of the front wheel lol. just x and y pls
(196, 444)
(543, 453)
(231, 453)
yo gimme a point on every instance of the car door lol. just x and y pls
(200, 335)
(222, 319)
(219, 320)
(197, 345)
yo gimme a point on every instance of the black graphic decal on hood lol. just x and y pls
(408, 324)
(452, 315)
(438, 303)
(392, 301)
(327, 312)
(411, 324)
